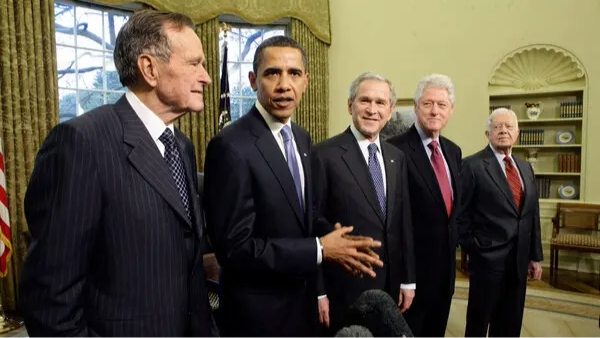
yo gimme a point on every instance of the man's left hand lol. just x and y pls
(535, 270)
(324, 311)
(405, 299)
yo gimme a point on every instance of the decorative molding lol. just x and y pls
(538, 67)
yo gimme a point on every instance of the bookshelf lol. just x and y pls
(553, 140)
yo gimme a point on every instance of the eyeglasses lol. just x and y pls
(498, 127)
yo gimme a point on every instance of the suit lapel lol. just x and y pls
(452, 165)
(425, 169)
(305, 158)
(146, 158)
(494, 169)
(357, 165)
(391, 163)
(190, 173)
(271, 152)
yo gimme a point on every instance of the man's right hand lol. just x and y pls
(354, 254)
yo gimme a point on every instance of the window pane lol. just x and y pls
(67, 104)
(113, 97)
(65, 57)
(113, 82)
(64, 19)
(112, 25)
(89, 100)
(247, 105)
(89, 28)
(90, 66)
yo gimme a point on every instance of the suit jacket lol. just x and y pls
(263, 240)
(113, 252)
(344, 192)
(489, 224)
(434, 232)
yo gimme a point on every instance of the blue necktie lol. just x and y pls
(377, 177)
(176, 167)
(290, 155)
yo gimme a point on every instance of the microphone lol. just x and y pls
(354, 331)
(377, 311)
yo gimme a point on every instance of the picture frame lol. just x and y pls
(403, 117)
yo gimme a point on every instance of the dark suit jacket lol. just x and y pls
(113, 252)
(489, 223)
(435, 233)
(263, 241)
(344, 193)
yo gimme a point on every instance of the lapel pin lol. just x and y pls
(392, 161)
(304, 154)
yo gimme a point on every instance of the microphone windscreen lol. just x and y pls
(354, 331)
(378, 312)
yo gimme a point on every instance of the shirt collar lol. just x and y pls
(424, 138)
(274, 125)
(362, 140)
(500, 156)
(151, 121)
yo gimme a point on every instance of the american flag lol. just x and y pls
(5, 245)
(225, 103)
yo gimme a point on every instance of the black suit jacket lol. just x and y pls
(344, 193)
(263, 240)
(113, 252)
(435, 232)
(489, 224)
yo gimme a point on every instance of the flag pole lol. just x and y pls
(225, 95)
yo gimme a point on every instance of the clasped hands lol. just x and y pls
(354, 253)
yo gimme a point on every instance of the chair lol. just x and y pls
(575, 228)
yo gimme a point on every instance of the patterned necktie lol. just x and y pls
(292, 161)
(377, 177)
(176, 167)
(513, 181)
(437, 161)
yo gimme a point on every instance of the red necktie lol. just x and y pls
(440, 173)
(514, 182)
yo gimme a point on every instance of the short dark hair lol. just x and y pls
(144, 32)
(277, 41)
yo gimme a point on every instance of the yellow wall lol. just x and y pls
(407, 39)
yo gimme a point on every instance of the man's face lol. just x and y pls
(280, 81)
(433, 110)
(371, 108)
(182, 79)
(503, 132)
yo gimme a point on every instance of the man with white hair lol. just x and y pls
(433, 168)
(499, 228)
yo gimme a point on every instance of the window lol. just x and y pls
(85, 38)
(242, 41)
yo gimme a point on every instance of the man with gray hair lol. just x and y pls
(361, 181)
(433, 169)
(116, 222)
(499, 228)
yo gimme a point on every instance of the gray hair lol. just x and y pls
(500, 111)
(372, 76)
(435, 81)
(144, 32)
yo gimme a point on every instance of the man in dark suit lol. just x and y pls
(433, 167)
(258, 201)
(499, 227)
(360, 181)
(115, 219)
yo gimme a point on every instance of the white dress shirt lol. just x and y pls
(363, 144)
(151, 121)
